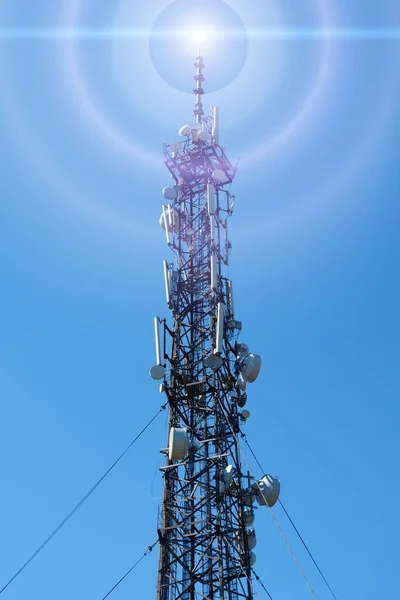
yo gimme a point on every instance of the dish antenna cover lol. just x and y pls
(170, 193)
(241, 383)
(170, 217)
(213, 362)
(251, 540)
(178, 443)
(242, 399)
(185, 130)
(242, 350)
(227, 475)
(245, 415)
(251, 367)
(157, 372)
(203, 135)
(268, 489)
(248, 516)
(218, 175)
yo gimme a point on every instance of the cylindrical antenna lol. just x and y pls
(157, 339)
(220, 328)
(215, 129)
(166, 224)
(212, 232)
(211, 198)
(167, 283)
(214, 278)
(170, 216)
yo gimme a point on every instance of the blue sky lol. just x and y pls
(315, 264)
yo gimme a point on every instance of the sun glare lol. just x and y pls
(199, 35)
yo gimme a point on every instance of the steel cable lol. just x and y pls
(149, 549)
(77, 506)
(262, 585)
(293, 525)
(269, 508)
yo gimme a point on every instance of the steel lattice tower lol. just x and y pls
(205, 527)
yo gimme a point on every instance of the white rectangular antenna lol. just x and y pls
(214, 278)
(165, 223)
(157, 337)
(212, 230)
(169, 216)
(167, 283)
(215, 129)
(220, 328)
(211, 198)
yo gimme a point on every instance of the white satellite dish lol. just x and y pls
(242, 350)
(253, 559)
(251, 367)
(241, 399)
(213, 362)
(203, 135)
(268, 489)
(185, 130)
(170, 193)
(227, 475)
(157, 372)
(170, 216)
(178, 443)
(251, 539)
(218, 175)
(241, 383)
(248, 516)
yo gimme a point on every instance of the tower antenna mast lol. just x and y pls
(206, 522)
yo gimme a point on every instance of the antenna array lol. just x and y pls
(206, 524)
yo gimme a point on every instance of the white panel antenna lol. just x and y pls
(211, 198)
(165, 220)
(212, 228)
(157, 339)
(158, 371)
(220, 328)
(170, 218)
(214, 277)
(167, 283)
(215, 129)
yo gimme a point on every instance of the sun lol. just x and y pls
(201, 34)
(198, 35)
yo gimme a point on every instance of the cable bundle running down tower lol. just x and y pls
(206, 526)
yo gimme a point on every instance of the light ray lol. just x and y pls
(88, 33)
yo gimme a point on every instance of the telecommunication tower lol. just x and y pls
(205, 526)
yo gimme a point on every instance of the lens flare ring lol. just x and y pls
(124, 145)
(309, 110)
